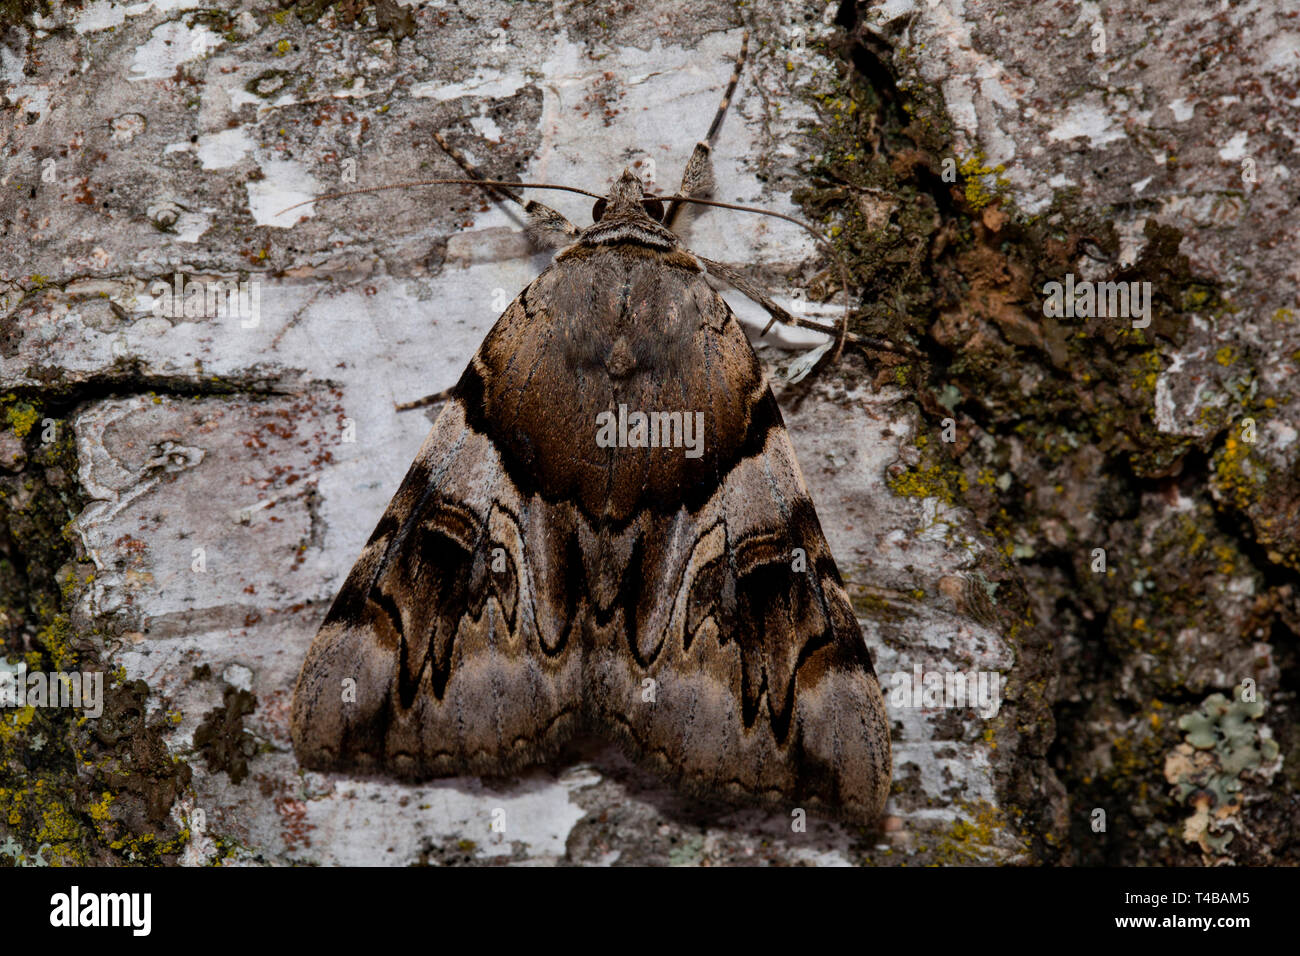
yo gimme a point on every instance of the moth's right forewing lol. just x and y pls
(732, 660)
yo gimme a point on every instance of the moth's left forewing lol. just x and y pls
(448, 650)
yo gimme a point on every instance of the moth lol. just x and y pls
(542, 572)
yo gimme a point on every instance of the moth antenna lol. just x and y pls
(427, 400)
(820, 238)
(716, 125)
(545, 226)
(473, 171)
(439, 182)
(699, 169)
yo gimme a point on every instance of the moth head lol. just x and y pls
(626, 201)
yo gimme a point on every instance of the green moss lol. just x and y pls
(1059, 450)
(880, 221)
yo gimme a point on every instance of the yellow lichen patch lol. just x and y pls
(56, 638)
(1149, 361)
(22, 417)
(99, 811)
(973, 170)
(982, 835)
(1237, 477)
(14, 722)
(50, 825)
(932, 482)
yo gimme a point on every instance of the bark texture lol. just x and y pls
(1105, 517)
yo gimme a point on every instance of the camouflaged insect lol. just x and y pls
(528, 582)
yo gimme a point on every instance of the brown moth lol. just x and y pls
(541, 572)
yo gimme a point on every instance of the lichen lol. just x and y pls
(975, 172)
(1239, 477)
(1058, 452)
(73, 790)
(982, 835)
(1224, 747)
(934, 481)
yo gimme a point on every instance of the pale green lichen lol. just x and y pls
(1228, 727)
(1223, 745)
(687, 853)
